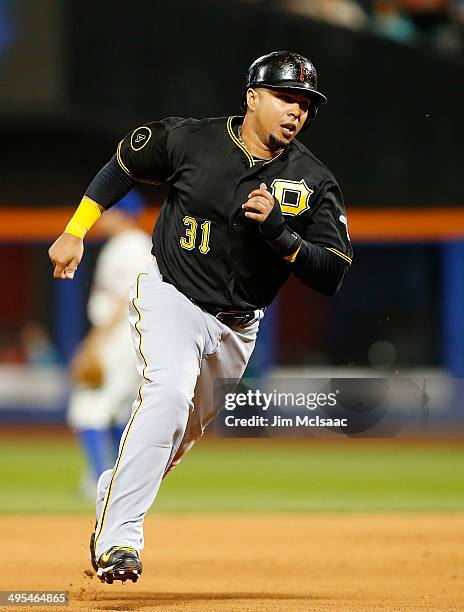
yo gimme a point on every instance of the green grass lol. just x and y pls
(254, 475)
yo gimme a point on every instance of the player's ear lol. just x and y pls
(251, 98)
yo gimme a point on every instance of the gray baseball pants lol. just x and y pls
(181, 350)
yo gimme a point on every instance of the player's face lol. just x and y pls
(280, 114)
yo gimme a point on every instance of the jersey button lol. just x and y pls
(234, 224)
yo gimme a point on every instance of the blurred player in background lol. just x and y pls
(104, 368)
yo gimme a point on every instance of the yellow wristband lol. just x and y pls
(87, 213)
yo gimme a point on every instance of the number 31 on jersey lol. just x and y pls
(188, 242)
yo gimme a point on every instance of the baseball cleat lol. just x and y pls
(119, 563)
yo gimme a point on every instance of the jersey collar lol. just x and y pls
(230, 125)
(236, 141)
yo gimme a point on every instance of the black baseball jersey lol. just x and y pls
(203, 243)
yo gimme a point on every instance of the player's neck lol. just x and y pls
(253, 142)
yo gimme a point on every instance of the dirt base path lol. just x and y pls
(250, 563)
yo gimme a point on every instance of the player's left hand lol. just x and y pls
(259, 205)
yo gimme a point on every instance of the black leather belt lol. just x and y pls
(237, 318)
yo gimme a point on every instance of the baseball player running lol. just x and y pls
(247, 206)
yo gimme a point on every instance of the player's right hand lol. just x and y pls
(65, 254)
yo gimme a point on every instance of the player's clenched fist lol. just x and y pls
(259, 205)
(65, 254)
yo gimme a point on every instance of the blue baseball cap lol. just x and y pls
(131, 204)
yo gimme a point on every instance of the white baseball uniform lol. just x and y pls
(175, 401)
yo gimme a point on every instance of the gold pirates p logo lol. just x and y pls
(292, 196)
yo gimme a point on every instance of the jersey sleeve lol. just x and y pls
(328, 226)
(143, 153)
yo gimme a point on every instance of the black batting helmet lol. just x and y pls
(285, 70)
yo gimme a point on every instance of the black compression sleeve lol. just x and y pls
(277, 234)
(110, 185)
(318, 268)
(314, 265)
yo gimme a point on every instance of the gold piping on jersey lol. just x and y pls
(127, 171)
(121, 163)
(340, 254)
(242, 147)
(108, 492)
(251, 161)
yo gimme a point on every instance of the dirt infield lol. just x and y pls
(251, 562)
